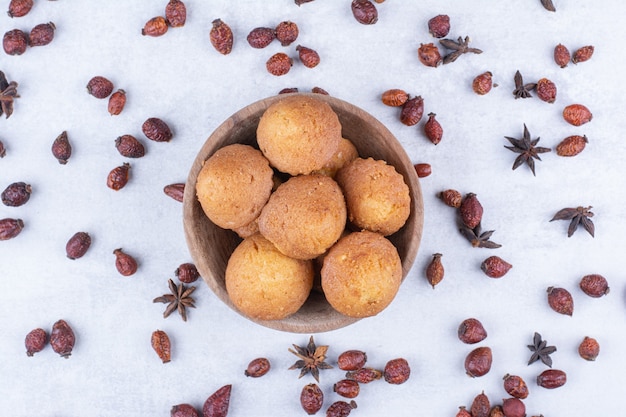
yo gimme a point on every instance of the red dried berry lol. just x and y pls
(546, 90)
(129, 146)
(560, 300)
(483, 83)
(347, 388)
(78, 245)
(117, 101)
(311, 398)
(364, 11)
(429, 55)
(478, 362)
(62, 339)
(582, 54)
(340, 409)
(513, 407)
(42, 34)
(218, 403)
(308, 56)
(397, 371)
(562, 55)
(187, 273)
(288, 90)
(471, 331)
(10, 228)
(125, 264)
(319, 90)
(577, 114)
(184, 410)
(471, 211)
(394, 97)
(61, 148)
(515, 386)
(176, 13)
(364, 375)
(221, 37)
(157, 26)
(279, 64)
(19, 8)
(287, 32)
(3, 150)
(15, 42)
(100, 87)
(157, 130)
(16, 194)
(261, 37)
(118, 177)
(495, 267)
(433, 129)
(175, 191)
(451, 198)
(351, 360)
(35, 341)
(435, 270)
(594, 285)
(257, 368)
(162, 346)
(481, 406)
(571, 145)
(412, 111)
(439, 26)
(551, 378)
(463, 412)
(589, 349)
(423, 170)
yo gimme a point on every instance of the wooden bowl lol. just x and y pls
(211, 246)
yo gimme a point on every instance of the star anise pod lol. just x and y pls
(178, 299)
(459, 47)
(527, 149)
(578, 215)
(8, 92)
(541, 351)
(478, 238)
(522, 90)
(312, 359)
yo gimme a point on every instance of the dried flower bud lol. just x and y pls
(129, 146)
(61, 148)
(394, 97)
(161, 344)
(351, 360)
(560, 300)
(35, 341)
(562, 55)
(471, 331)
(397, 371)
(308, 56)
(42, 34)
(589, 349)
(261, 37)
(62, 339)
(157, 130)
(221, 37)
(582, 54)
(515, 386)
(176, 13)
(15, 42)
(551, 378)
(546, 90)
(478, 362)
(435, 270)
(483, 83)
(577, 114)
(257, 368)
(423, 170)
(118, 177)
(364, 11)
(347, 388)
(16, 194)
(175, 191)
(287, 32)
(78, 245)
(594, 285)
(100, 87)
(433, 129)
(311, 398)
(451, 198)
(10, 228)
(481, 406)
(19, 8)
(279, 64)
(117, 101)
(571, 145)
(429, 55)
(157, 26)
(471, 211)
(495, 267)
(439, 26)
(412, 111)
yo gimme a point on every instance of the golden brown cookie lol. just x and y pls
(346, 153)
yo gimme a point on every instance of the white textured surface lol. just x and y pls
(182, 79)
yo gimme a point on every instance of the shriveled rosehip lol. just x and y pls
(162, 346)
(481, 406)
(15, 42)
(347, 388)
(62, 339)
(364, 11)
(515, 386)
(279, 64)
(483, 83)
(78, 245)
(100, 87)
(589, 349)
(16, 194)
(496, 411)
(478, 362)
(471, 331)
(513, 407)
(571, 145)
(261, 37)
(176, 13)
(187, 273)
(560, 300)
(562, 55)
(582, 54)
(184, 410)
(10, 228)
(288, 90)
(471, 211)
(311, 398)
(308, 56)
(221, 37)
(19, 8)
(257, 367)
(412, 111)
(594, 285)
(495, 267)
(175, 191)
(3, 150)
(157, 130)
(364, 375)
(117, 101)
(429, 55)
(451, 198)
(394, 97)
(546, 90)
(42, 34)
(287, 32)
(319, 90)
(433, 129)
(351, 360)
(577, 114)
(552, 378)
(35, 341)
(157, 26)
(423, 170)
(435, 270)
(340, 409)
(439, 26)
(218, 403)
(129, 146)
(118, 177)
(61, 148)
(397, 371)
(125, 264)
(463, 412)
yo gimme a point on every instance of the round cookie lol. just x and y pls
(304, 216)
(264, 284)
(299, 134)
(361, 274)
(377, 197)
(233, 185)
(346, 153)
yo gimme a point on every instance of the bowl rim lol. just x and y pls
(228, 129)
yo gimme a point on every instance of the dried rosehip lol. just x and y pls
(451, 198)
(117, 101)
(100, 87)
(562, 55)
(308, 56)
(217, 404)
(394, 97)
(551, 378)
(286, 32)
(495, 267)
(463, 412)
(3, 150)
(176, 13)
(582, 54)
(157, 26)
(184, 410)
(129, 146)
(35, 341)
(546, 90)
(10, 228)
(257, 368)
(364, 375)
(351, 360)
(340, 409)
(19, 8)
(288, 90)
(439, 26)
(347, 388)
(435, 271)
(433, 129)
(125, 264)
(483, 83)
(515, 386)
(319, 90)
(571, 145)
(42, 34)
(62, 339)
(577, 114)
(513, 407)
(161, 345)
(429, 55)
(560, 300)
(78, 245)
(397, 371)
(311, 398)
(589, 349)
(412, 111)
(261, 37)
(471, 211)
(221, 37)
(480, 406)
(496, 411)
(364, 11)
(279, 64)
(157, 130)
(478, 362)
(15, 42)
(423, 170)
(471, 331)
(187, 273)
(61, 148)
(175, 191)
(118, 177)
(16, 194)
(594, 285)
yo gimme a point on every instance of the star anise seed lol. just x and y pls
(312, 359)
(541, 351)
(179, 299)
(8, 92)
(578, 215)
(459, 47)
(527, 149)
(479, 239)
(522, 90)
